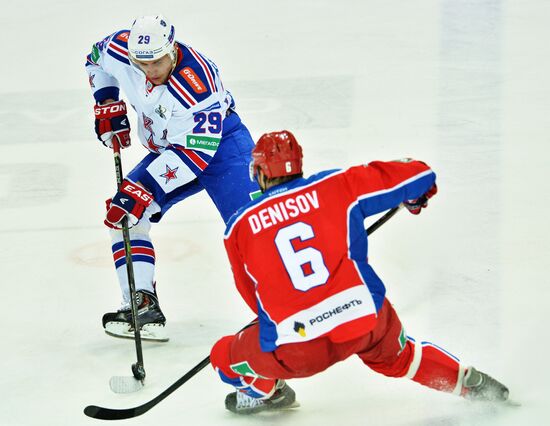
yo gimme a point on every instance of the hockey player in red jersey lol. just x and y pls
(299, 255)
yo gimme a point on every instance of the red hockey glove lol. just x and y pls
(111, 122)
(416, 205)
(131, 200)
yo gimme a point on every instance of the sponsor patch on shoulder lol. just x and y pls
(95, 54)
(123, 36)
(193, 79)
(202, 142)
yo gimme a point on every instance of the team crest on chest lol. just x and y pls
(160, 110)
(170, 174)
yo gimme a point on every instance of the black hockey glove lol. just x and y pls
(416, 205)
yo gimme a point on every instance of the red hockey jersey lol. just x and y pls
(299, 252)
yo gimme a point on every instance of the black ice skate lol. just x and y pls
(283, 398)
(482, 387)
(151, 320)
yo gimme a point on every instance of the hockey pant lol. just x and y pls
(386, 349)
(226, 180)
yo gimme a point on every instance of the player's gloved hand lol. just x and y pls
(131, 200)
(111, 122)
(416, 205)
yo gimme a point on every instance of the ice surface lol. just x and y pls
(462, 85)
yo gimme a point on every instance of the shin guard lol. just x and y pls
(436, 368)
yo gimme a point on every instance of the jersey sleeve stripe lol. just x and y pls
(177, 95)
(205, 69)
(212, 67)
(90, 61)
(118, 49)
(415, 184)
(118, 53)
(118, 57)
(189, 99)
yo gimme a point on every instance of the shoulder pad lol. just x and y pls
(193, 79)
(118, 46)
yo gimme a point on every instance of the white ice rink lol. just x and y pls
(462, 85)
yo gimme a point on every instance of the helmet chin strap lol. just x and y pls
(174, 57)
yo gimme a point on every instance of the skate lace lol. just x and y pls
(245, 401)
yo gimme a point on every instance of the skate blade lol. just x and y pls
(295, 404)
(149, 332)
(125, 384)
(512, 403)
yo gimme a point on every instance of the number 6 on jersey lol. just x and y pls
(306, 267)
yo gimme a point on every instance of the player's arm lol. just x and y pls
(244, 283)
(104, 86)
(380, 186)
(111, 121)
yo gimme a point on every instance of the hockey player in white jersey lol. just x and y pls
(187, 121)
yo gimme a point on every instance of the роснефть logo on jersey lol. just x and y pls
(300, 328)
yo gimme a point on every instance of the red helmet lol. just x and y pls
(277, 154)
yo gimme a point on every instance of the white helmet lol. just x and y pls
(151, 37)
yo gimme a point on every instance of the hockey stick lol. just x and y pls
(122, 384)
(103, 413)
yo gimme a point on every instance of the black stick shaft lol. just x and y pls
(129, 264)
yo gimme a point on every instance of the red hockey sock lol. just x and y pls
(434, 367)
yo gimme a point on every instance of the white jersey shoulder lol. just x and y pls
(190, 107)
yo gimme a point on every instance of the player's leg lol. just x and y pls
(256, 375)
(392, 353)
(151, 319)
(259, 376)
(434, 367)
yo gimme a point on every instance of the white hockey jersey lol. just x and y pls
(181, 120)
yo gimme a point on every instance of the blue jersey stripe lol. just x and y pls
(133, 243)
(378, 201)
(136, 258)
(268, 330)
(118, 57)
(211, 68)
(189, 61)
(288, 188)
(176, 95)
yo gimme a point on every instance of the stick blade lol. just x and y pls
(125, 384)
(102, 413)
